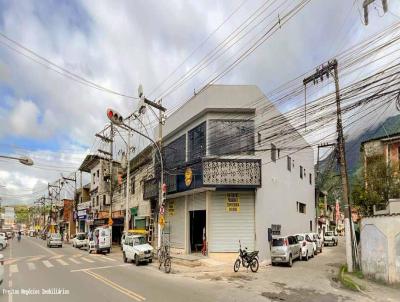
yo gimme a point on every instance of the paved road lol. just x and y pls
(69, 274)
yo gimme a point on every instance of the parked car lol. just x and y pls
(136, 248)
(32, 233)
(285, 249)
(1, 268)
(4, 235)
(330, 238)
(307, 247)
(54, 239)
(3, 242)
(80, 240)
(9, 234)
(310, 236)
(319, 241)
(100, 240)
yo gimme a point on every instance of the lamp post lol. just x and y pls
(23, 159)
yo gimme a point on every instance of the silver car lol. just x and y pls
(285, 249)
(54, 240)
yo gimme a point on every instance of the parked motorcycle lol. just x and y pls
(247, 259)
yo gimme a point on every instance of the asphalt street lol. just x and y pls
(34, 272)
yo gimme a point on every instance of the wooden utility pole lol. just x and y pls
(110, 222)
(326, 70)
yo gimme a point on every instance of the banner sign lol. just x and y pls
(232, 202)
(171, 208)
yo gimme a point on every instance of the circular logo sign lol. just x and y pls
(188, 177)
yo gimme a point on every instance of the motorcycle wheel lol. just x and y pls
(236, 266)
(167, 265)
(254, 265)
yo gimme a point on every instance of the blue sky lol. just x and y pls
(120, 44)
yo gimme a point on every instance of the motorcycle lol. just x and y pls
(246, 259)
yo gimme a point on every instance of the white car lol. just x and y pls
(310, 237)
(80, 240)
(136, 248)
(3, 243)
(100, 240)
(1, 268)
(330, 238)
(307, 247)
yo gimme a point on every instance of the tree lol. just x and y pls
(375, 184)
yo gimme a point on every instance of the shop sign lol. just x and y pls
(188, 177)
(232, 202)
(83, 205)
(171, 208)
(81, 214)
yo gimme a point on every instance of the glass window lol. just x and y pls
(175, 153)
(289, 163)
(273, 152)
(278, 242)
(197, 142)
(300, 238)
(228, 137)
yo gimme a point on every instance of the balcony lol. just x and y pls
(210, 172)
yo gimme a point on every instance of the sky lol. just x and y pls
(119, 44)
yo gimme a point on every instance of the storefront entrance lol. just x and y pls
(197, 227)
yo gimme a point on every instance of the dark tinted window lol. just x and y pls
(231, 137)
(197, 142)
(277, 242)
(175, 153)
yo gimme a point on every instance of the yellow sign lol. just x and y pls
(188, 177)
(110, 222)
(161, 221)
(171, 208)
(232, 202)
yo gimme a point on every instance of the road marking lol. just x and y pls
(36, 258)
(31, 266)
(101, 259)
(74, 261)
(62, 262)
(14, 268)
(98, 267)
(116, 286)
(56, 257)
(47, 263)
(44, 248)
(87, 260)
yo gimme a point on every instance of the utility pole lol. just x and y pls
(326, 70)
(128, 178)
(110, 222)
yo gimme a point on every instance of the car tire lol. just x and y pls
(124, 258)
(150, 260)
(290, 262)
(306, 256)
(136, 260)
(273, 263)
(315, 252)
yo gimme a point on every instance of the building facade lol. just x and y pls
(230, 175)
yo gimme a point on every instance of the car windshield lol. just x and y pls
(104, 233)
(139, 240)
(55, 236)
(329, 234)
(81, 236)
(278, 242)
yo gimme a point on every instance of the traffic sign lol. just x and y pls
(161, 221)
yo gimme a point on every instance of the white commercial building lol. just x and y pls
(235, 170)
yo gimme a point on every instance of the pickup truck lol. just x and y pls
(330, 238)
(136, 248)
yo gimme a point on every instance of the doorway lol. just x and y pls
(197, 225)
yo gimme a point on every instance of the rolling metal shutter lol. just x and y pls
(227, 228)
(196, 202)
(175, 223)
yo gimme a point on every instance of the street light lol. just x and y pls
(118, 120)
(23, 159)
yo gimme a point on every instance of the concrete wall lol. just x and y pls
(380, 248)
